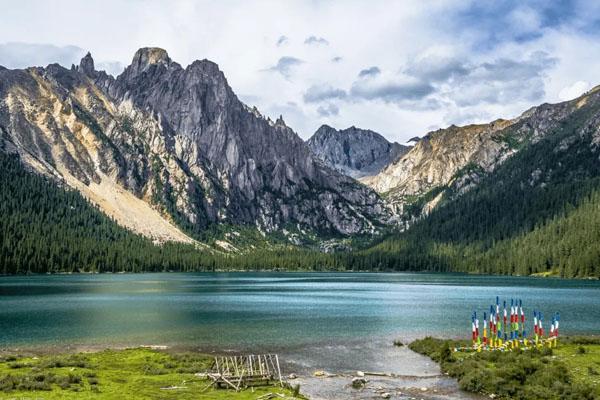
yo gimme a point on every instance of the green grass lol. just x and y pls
(115, 374)
(570, 371)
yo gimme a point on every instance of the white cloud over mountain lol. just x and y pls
(395, 67)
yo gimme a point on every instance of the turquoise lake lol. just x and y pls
(250, 310)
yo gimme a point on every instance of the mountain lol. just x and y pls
(354, 152)
(436, 158)
(170, 151)
(173, 155)
(458, 157)
(535, 210)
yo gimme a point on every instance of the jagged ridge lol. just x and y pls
(180, 140)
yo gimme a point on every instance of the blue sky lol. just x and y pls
(398, 67)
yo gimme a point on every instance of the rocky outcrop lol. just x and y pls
(179, 140)
(354, 152)
(436, 158)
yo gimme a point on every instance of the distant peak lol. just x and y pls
(325, 128)
(86, 65)
(147, 56)
(206, 67)
(152, 55)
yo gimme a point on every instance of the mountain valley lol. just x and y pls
(172, 155)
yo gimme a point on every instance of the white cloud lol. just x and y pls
(479, 62)
(317, 93)
(282, 40)
(285, 65)
(573, 91)
(21, 55)
(328, 110)
(316, 40)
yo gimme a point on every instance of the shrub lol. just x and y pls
(93, 381)
(474, 380)
(73, 378)
(8, 383)
(546, 351)
(27, 384)
(445, 353)
(151, 369)
(584, 340)
(17, 365)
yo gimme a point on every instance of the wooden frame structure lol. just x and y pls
(239, 372)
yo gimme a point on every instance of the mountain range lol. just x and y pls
(172, 155)
(170, 151)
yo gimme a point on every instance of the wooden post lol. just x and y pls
(235, 366)
(278, 370)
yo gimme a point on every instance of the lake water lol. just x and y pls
(270, 309)
(333, 321)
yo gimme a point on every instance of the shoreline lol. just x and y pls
(540, 276)
(436, 381)
(420, 378)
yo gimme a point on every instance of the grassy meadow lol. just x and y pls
(116, 374)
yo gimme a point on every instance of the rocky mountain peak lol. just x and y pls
(205, 67)
(86, 65)
(147, 56)
(353, 151)
(324, 129)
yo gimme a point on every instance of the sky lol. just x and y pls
(401, 68)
